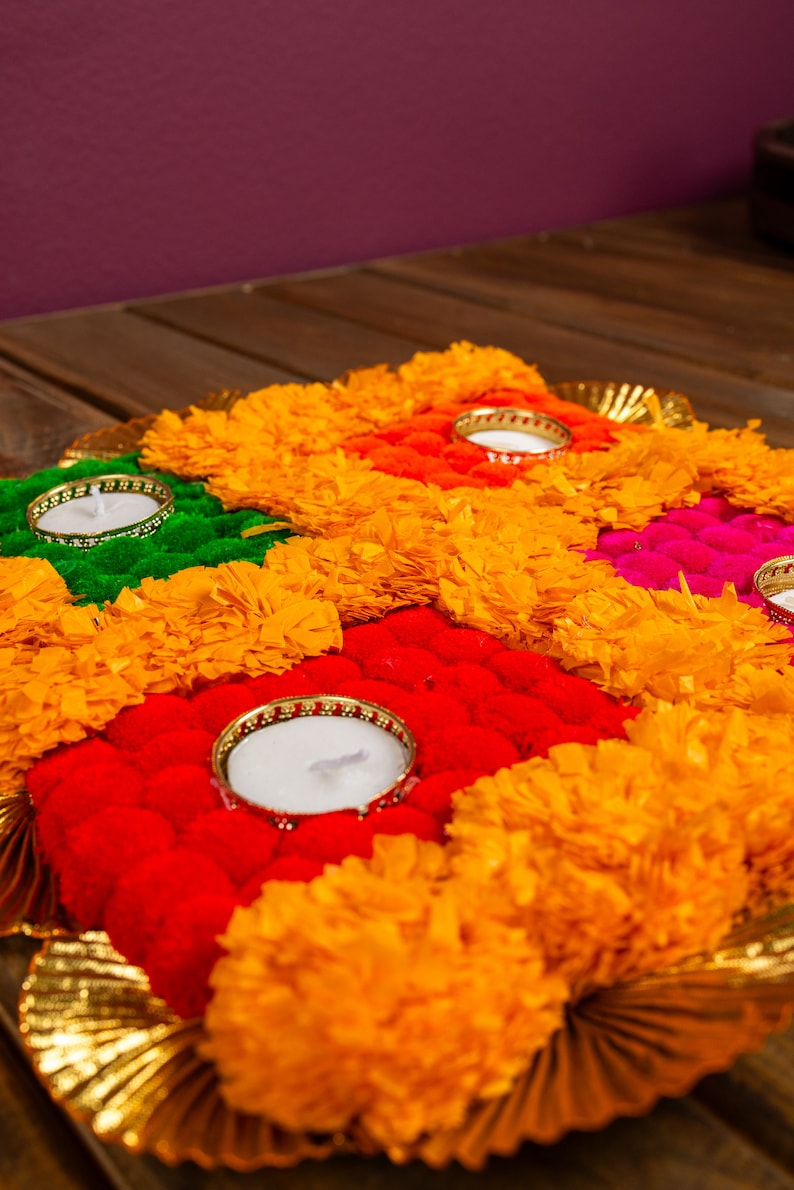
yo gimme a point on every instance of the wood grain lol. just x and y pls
(320, 345)
(38, 420)
(408, 307)
(556, 282)
(757, 1097)
(136, 365)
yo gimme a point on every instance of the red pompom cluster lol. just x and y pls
(143, 846)
(712, 544)
(426, 449)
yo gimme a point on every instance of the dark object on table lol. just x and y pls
(772, 193)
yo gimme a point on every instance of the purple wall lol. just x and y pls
(160, 145)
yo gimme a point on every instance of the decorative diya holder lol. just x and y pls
(297, 757)
(774, 582)
(512, 435)
(85, 512)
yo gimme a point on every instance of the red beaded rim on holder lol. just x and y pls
(282, 710)
(522, 421)
(774, 577)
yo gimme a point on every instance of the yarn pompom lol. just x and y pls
(239, 841)
(185, 950)
(135, 727)
(469, 747)
(213, 709)
(402, 665)
(434, 793)
(100, 850)
(465, 644)
(50, 770)
(408, 820)
(191, 746)
(182, 792)
(101, 785)
(283, 867)
(521, 670)
(145, 896)
(415, 626)
(328, 838)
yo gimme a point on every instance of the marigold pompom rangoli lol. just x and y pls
(602, 709)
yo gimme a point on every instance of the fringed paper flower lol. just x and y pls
(624, 857)
(403, 1002)
(292, 419)
(70, 676)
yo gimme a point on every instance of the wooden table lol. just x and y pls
(686, 299)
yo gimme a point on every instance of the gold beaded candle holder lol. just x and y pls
(297, 757)
(511, 435)
(86, 512)
(774, 582)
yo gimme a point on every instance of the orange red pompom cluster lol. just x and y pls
(134, 825)
(426, 449)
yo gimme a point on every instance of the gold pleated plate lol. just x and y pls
(127, 437)
(29, 902)
(629, 404)
(118, 1058)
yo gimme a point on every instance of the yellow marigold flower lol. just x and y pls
(379, 994)
(464, 371)
(672, 645)
(201, 623)
(32, 593)
(289, 420)
(622, 858)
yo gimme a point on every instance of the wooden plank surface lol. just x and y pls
(561, 352)
(38, 420)
(686, 299)
(320, 345)
(131, 365)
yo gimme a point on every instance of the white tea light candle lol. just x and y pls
(87, 511)
(300, 756)
(87, 514)
(784, 599)
(508, 435)
(512, 441)
(313, 766)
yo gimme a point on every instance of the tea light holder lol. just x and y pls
(774, 582)
(143, 505)
(512, 435)
(288, 761)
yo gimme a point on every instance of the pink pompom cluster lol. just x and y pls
(712, 544)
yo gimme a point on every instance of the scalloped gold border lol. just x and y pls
(631, 404)
(30, 899)
(120, 1060)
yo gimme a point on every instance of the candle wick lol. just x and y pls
(99, 503)
(338, 762)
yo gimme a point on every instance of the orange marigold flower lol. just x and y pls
(400, 1004)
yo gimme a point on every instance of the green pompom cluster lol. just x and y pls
(197, 533)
